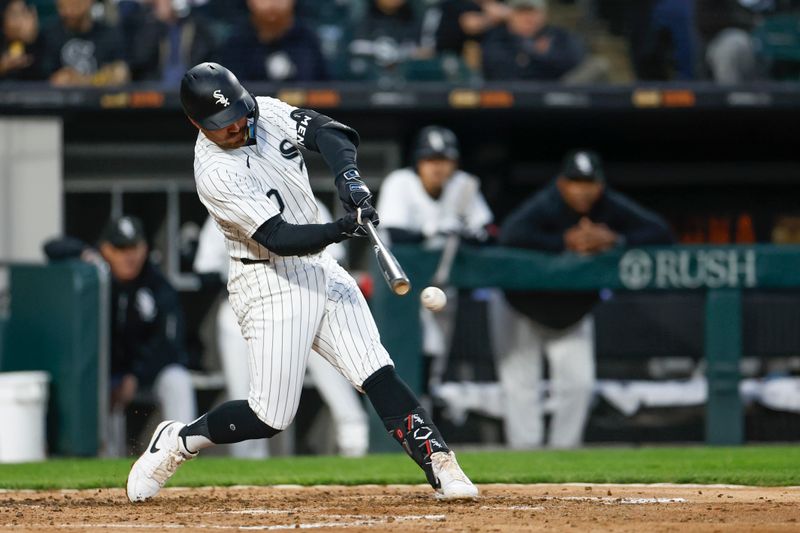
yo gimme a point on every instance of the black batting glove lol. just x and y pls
(353, 192)
(352, 224)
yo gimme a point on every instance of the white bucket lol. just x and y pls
(23, 402)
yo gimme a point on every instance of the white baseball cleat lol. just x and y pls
(163, 456)
(453, 482)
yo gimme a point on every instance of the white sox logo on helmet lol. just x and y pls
(221, 99)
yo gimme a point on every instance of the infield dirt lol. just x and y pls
(501, 508)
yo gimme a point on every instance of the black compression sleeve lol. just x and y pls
(282, 238)
(390, 396)
(337, 149)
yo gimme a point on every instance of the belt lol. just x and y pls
(246, 261)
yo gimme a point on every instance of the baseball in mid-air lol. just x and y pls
(433, 298)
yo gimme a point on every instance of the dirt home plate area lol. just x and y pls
(574, 507)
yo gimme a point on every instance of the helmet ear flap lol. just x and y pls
(254, 112)
(252, 121)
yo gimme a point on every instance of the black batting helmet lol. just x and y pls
(436, 141)
(213, 97)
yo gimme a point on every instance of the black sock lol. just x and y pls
(392, 398)
(404, 418)
(227, 423)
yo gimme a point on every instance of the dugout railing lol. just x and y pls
(721, 272)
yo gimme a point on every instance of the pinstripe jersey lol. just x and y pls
(286, 306)
(244, 187)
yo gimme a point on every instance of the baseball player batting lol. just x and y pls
(289, 295)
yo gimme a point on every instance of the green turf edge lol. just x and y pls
(750, 465)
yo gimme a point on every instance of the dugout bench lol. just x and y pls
(721, 272)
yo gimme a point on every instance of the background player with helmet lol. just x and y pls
(350, 419)
(429, 202)
(289, 295)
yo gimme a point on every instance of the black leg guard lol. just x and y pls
(420, 438)
(405, 420)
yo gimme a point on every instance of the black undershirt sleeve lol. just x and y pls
(337, 150)
(283, 238)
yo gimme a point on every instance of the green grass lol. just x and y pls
(751, 465)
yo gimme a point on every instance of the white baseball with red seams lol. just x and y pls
(433, 298)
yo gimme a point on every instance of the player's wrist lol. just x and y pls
(353, 192)
(348, 173)
(337, 231)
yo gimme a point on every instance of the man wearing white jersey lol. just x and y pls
(426, 203)
(350, 419)
(289, 295)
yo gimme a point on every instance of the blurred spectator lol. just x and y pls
(428, 203)
(273, 45)
(663, 41)
(777, 37)
(22, 44)
(169, 40)
(147, 325)
(385, 38)
(467, 20)
(79, 51)
(349, 417)
(333, 21)
(528, 47)
(724, 27)
(576, 213)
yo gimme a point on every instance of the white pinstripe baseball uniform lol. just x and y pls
(350, 418)
(285, 305)
(286, 302)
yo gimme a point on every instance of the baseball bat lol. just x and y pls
(390, 268)
(442, 275)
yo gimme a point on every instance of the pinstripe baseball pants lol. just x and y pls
(287, 307)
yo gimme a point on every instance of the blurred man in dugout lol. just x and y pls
(349, 417)
(427, 203)
(148, 353)
(576, 213)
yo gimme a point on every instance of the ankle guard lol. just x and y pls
(420, 438)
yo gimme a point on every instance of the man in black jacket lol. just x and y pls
(167, 38)
(274, 45)
(528, 47)
(576, 213)
(147, 325)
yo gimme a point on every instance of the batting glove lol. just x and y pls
(353, 192)
(352, 224)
